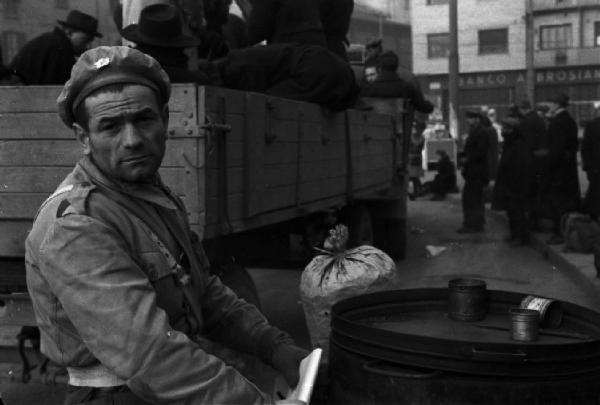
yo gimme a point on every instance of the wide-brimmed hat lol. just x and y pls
(159, 25)
(81, 22)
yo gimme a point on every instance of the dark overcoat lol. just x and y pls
(533, 129)
(513, 184)
(392, 85)
(299, 72)
(335, 18)
(590, 156)
(560, 171)
(46, 59)
(475, 155)
(286, 21)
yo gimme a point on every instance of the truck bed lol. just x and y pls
(239, 160)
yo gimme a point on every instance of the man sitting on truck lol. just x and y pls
(118, 282)
(395, 82)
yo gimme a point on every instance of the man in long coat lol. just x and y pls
(532, 128)
(512, 188)
(475, 172)
(335, 17)
(590, 156)
(48, 58)
(560, 176)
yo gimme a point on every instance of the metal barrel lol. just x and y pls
(525, 324)
(467, 299)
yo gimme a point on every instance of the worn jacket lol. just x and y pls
(286, 21)
(561, 162)
(590, 156)
(476, 155)
(104, 292)
(46, 59)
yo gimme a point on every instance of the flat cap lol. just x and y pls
(106, 65)
(561, 99)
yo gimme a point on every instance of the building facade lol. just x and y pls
(492, 52)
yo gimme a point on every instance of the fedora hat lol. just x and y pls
(159, 25)
(81, 22)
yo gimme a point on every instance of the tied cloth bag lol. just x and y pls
(336, 274)
(580, 232)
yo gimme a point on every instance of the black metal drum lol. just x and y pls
(401, 347)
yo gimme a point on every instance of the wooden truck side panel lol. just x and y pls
(37, 151)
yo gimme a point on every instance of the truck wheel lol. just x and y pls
(360, 226)
(396, 238)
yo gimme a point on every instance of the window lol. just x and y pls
(493, 41)
(556, 36)
(438, 45)
(597, 33)
(62, 4)
(436, 2)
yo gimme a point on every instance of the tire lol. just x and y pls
(360, 226)
(396, 238)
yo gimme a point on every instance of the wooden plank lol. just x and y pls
(39, 153)
(322, 188)
(235, 99)
(24, 99)
(254, 148)
(18, 179)
(47, 125)
(12, 236)
(20, 206)
(235, 181)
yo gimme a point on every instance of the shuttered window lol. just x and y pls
(493, 41)
(556, 36)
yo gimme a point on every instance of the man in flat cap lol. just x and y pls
(48, 58)
(118, 282)
(560, 179)
(474, 160)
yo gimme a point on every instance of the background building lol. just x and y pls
(491, 42)
(22, 20)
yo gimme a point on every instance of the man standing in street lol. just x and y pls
(560, 176)
(48, 58)
(474, 160)
(532, 128)
(118, 282)
(590, 156)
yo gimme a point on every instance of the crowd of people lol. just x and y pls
(537, 174)
(291, 49)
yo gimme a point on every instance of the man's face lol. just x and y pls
(127, 133)
(472, 121)
(80, 41)
(370, 74)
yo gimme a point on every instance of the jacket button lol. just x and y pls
(169, 333)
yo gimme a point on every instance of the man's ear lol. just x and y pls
(83, 137)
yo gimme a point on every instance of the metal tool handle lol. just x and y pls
(369, 367)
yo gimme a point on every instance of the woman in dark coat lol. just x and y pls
(514, 181)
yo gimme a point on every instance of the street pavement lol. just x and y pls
(535, 269)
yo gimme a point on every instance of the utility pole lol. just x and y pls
(453, 73)
(529, 51)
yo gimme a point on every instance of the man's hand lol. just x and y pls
(286, 359)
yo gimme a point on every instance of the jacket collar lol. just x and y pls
(386, 76)
(155, 192)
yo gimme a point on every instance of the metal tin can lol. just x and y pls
(467, 299)
(550, 311)
(525, 324)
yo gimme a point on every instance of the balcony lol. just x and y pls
(552, 6)
(566, 57)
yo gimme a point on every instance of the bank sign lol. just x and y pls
(513, 78)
